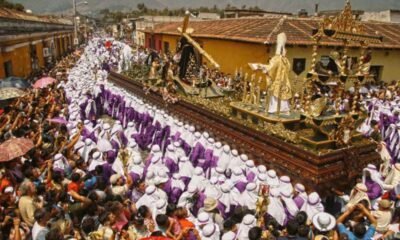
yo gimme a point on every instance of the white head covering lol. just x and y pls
(198, 180)
(285, 184)
(275, 207)
(186, 168)
(291, 206)
(238, 175)
(313, 205)
(248, 222)
(176, 182)
(272, 179)
(250, 196)
(212, 190)
(96, 161)
(225, 157)
(210, 232)
(149, 199)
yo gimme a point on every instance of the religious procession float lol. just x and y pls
(309, 129)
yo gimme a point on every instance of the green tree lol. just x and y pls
(7, 4)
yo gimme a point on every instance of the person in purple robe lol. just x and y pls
(299, 195)
(374, 190)
(197, 153)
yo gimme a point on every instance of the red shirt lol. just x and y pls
(73, 186)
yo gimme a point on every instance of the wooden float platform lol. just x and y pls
(317, 171)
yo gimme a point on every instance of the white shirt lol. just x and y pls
(36, 230)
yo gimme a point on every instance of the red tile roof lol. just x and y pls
(265, 30)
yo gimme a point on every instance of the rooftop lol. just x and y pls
(264, 31)
(6, 13)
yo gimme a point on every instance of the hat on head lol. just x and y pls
(271, 173)
(251, 186)
(250, 163)
(198, 171)
(86, 122)
(244, 157)
(192, 189)
(218, 144)
(150, 189)
(96, 155)
(210, 204)
(9, 189)
(226, 188)
(192, 129)
(226, 148)
(285, 179)
(88, 141)
(324, 221)
(262, 177)
(371, 166)
(211, 140)
(155, 148)
(313, 198)
(234, 152)
(203, 218)
(184, 159)
(58, 156)
(170, 147)
(299, 187)
(208, 230)
(177, 144)
(114, 178)
(206, 135)
(249, 219)
(150, 175)
(137, 160)
(162, 176)
(131, 124)
(384, 203)
(262, 169)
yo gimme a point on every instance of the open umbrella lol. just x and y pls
(9, 93)
(14, 147)
(14, 82)
(44, 82)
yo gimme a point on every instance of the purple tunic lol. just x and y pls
(374, 189)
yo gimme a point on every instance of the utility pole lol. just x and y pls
(75, 24)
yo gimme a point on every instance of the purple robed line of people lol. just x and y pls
(175, 163)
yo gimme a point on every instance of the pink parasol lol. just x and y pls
(14, 147)
(44, 82)
(59, 120)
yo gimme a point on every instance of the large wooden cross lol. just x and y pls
(185, 31)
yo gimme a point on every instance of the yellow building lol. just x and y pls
(234, 43)
(29, 42)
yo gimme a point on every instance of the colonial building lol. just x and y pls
(234, 43)
(29, 42)
(390, 15)
(148, 22)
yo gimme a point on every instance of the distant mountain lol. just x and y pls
(51, 6)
